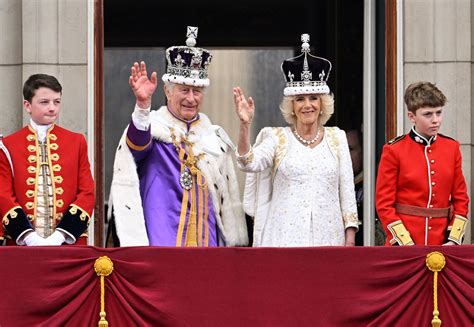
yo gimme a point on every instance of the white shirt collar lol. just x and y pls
(41, 130)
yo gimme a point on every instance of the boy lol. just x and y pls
(421, 195)
(47, 190)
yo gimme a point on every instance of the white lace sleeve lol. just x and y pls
(261, 154)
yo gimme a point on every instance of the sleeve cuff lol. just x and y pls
(400, 234)
(244, 159)
(74, 222)
(16, 223)
(141, 118)
(457, 230)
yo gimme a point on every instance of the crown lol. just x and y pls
(306, 74)
(187, 64)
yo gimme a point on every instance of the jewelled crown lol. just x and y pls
(306, 74)
(188, 64)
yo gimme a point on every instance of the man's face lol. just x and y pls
(184, 101)
(44, 106)
(355, 148)
(427, 120)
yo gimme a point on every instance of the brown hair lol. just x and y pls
(423, 94)
(36, 81)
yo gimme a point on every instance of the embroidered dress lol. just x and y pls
(312, 193)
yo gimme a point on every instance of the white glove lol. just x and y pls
(33, 239)
(57, 238)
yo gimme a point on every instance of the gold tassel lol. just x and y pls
(435, 262)
(103, 266)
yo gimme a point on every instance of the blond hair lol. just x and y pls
(327, 109)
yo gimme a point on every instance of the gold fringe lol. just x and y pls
(435, 262)
(103, 266)
(184, 204)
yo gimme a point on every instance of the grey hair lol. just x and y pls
(327, 109)
(169, 85)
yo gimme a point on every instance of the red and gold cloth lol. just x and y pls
(73, 186)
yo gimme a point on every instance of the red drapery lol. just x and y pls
(151, 286)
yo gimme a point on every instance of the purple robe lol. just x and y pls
(158, 167)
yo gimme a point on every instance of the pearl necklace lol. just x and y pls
(306, 142)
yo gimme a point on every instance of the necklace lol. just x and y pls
(307, 142)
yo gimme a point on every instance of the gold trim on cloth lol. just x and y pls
(60, 203)
(84, 215)
(58, 179)
(54, 157)
(54, 146)
(350, 218)
(458, 229)
(137, 147)
(53, 137)
(11, 214)
(57, 167)
(400, 234)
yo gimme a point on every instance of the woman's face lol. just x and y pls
(307, 108)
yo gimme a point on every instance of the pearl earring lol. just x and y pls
(292, 113)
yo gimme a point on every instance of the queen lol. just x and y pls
(299, 185)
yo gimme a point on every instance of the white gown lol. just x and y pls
(312, 198)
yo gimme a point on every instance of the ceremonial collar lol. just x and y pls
(418, 138)
(187, 122)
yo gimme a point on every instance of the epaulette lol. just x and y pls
(396, 139)
(445, 136)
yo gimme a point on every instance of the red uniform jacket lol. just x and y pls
(73, 186)
(422, 173)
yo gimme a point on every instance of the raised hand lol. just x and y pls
(142, 87)
(245, 108)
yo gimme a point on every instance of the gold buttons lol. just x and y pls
(54, 146)
(31, 148)
(57, 167)
(31, 169)
(53, 137)
(432, 161)
(29, 205)
(432, 172)
(30, 193)
(431, 206)
(429, 151)
(429, 228)
(59, 190)
(433, 183)
(60, 203)
(13, 214)
(30, 137)
(30, 181)
(30, 217)
(5, 221)
(58, 179)
(55, 157)
(73, 210)
(32, 158)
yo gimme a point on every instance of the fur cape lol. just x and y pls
(217, 166)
